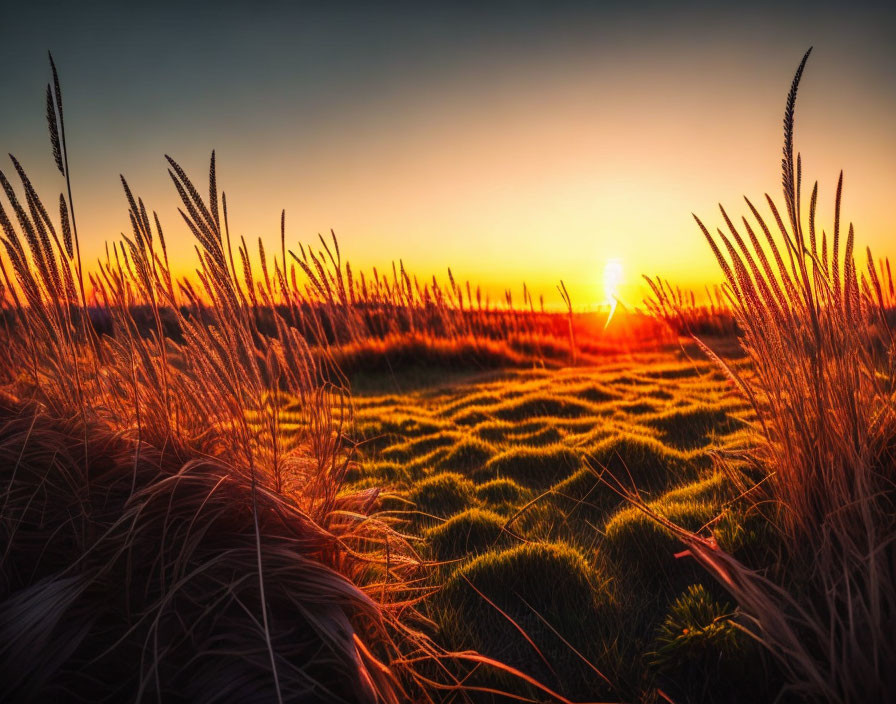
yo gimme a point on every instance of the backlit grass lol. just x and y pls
(510, 481)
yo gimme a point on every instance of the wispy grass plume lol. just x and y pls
(821, 380)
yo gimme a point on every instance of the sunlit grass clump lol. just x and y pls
(700, 649)
(443, 494)
(502, 494)
(468, 455)
(543, 590)
(644, 462)
(697, 628)
(645, 551)
(583, 496)
(467, 534)
(532, 467)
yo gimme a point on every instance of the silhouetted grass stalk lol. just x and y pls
(192, 479)
(821, 379)
(208, 551)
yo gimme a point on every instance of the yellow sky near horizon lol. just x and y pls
(556, 193)
(535, 158)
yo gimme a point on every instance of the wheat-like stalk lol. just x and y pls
(821, 380)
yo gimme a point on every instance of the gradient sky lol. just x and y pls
(527, 141)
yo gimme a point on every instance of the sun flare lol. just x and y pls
(613, 278)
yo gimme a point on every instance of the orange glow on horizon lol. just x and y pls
(540, 169)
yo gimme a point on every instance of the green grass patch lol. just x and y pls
(467, 534)
(539, 405)
(584, 497)
(502, 492)
(467, 455)
(414, 448)
(644, 462)
(644, 553)
(443, 494)
(535, 433)
(694, 427)
(472, 455)
(533, 467)
(534, 585)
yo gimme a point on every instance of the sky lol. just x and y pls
(513, 141)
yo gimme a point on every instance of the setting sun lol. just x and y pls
(613, 279)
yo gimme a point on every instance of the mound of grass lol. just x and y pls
(714, 489)
(495, 430)
(388, 427)
(468, 533)
(414, 448)
(534, 585)
(472, 416)
(594, 393)
(533, 466)
(692, 427)
(470, 400)
(643, 552)
(535, 434)
(502, 493)
(677, 372)
(646, 462)
(539, 405)
(750, 537)
(591, 436)
(699, 643)
(583, 497)
(627, 379)
(637, 408)
(375, 473)
(466, 455)
(443, 494)
(547, 435)
(660, 394)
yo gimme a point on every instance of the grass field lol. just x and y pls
(260, 487)
(498, 476)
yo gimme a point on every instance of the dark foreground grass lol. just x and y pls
(127, 574)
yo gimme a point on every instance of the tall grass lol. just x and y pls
(360, 317)
(354, 306)
(681, 311)
(162, 532)
(815, 325)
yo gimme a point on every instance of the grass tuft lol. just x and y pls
(532, 467)
(468, 534)
(443, 494)
(540, 588)
(644, 462)
(502, 493)
(467, 455)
